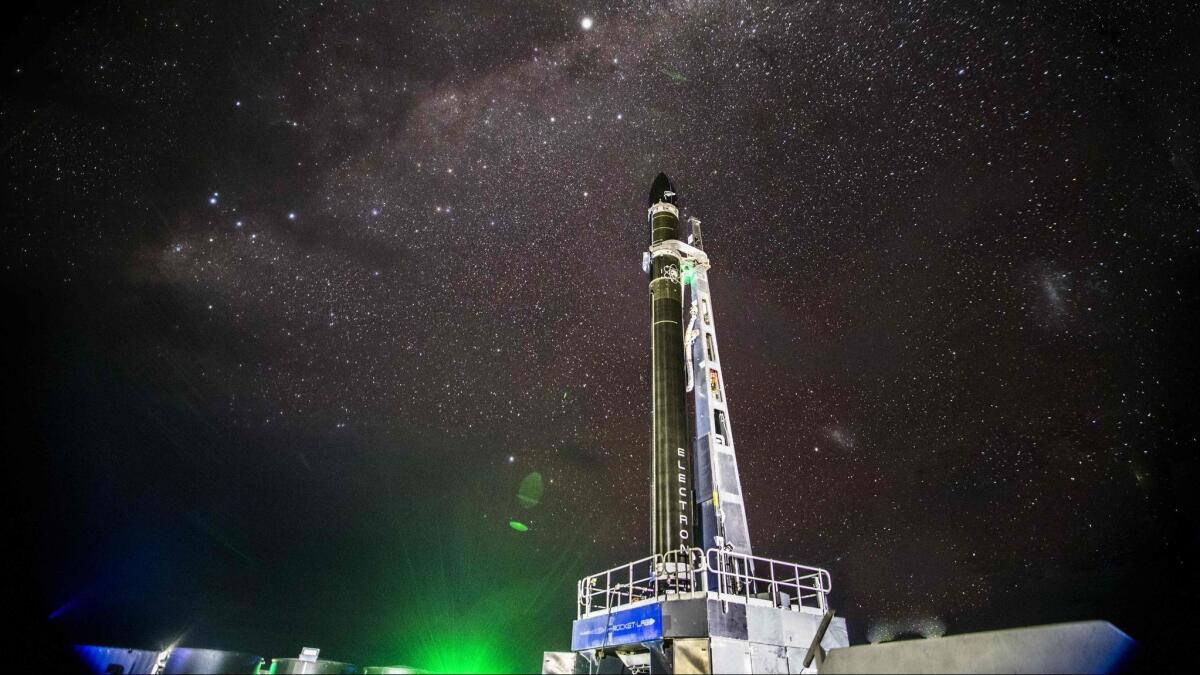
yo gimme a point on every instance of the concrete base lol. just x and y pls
(1084, 647)
(699, 635)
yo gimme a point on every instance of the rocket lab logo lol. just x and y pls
(672, 273)
(623, 627)
(630, 625)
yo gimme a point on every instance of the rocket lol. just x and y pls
(672, 520)
(696, 493)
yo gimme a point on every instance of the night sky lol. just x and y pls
(298, 295)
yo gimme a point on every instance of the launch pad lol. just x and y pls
(702, 602)
(702, 616)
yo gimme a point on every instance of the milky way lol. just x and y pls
(311, 288)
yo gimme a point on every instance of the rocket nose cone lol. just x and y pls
(662, 190)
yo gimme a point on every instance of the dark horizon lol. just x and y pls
(300, 295)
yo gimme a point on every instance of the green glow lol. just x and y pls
(476, 593)
(530, 492)
(465, 653)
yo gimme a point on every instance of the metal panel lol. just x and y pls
(690, 656)
(719, 496)
(703, 470)
(727, 474)
(729, 656)
(768, 659)
(735, 521)
(685, 618)
(729, 622)
(558, 663)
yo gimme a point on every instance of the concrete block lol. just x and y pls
(685, 618)
(729, 656)
(836, 636)
(729, 622)
(1083, 647)
(769, 659)
(763, 624)
(795, 658)
(798, 627)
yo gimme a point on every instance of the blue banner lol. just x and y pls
(639, 624)
(628, 626)
(589, 633)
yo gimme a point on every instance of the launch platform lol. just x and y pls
(702, 617)
(702, 602)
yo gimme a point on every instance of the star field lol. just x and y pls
(310, 289)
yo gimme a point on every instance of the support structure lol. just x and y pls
(722, 512)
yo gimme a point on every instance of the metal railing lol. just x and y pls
(657, 576)
(784, 584)
(730, 576)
